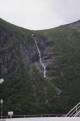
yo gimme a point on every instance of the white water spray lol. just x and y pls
(40, 59)
(44, 67)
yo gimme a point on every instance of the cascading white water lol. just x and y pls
(44, 67)
(40, 59)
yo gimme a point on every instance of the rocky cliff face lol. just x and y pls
(12, 49)
(22, 71)
(39, 71)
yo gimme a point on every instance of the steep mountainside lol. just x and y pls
(41, 69)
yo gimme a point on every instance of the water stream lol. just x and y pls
(40, 59)
(44, 66)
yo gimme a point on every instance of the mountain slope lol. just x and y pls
(25, 90)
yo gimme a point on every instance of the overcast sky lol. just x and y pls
(40, 14)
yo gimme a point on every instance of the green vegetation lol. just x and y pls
(24, 90)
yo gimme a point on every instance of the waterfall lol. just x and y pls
(45, 71)
(40, 59)
(59, 91)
